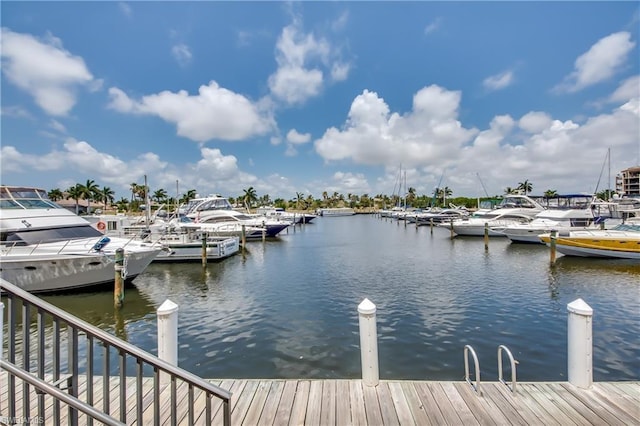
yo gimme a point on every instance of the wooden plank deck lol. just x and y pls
(349, 402)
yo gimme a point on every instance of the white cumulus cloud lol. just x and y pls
(603, 60)
(373, 135)
(214, 113)
(54, 86)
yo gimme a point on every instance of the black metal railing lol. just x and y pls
(149, 396)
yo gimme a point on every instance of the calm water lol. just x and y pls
(288, 308)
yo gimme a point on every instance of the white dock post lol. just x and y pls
(368, 343)
(580, 344)
(168, 334)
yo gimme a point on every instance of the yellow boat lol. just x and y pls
(620, 242)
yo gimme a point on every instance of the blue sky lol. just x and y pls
(319, 96)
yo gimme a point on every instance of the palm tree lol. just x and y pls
(75, 193)
(525, 186)
(160, 195)
(106, 195)
(188, 196)
(55, 194)
(509, 190)
(550, 193)
(249, 197)
(411, 195)
(89, 192)
(134, 190)
(299, 199)
(309, 201)
(123, 204)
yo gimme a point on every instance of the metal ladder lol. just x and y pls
(476, 386)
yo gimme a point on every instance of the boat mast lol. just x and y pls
(609, 187)
(177, 198)
(147, 203)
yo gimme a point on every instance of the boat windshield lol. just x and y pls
(25, 198)
(212, 204)
(627, 227)
(25, 237)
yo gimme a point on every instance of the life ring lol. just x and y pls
(101, 226)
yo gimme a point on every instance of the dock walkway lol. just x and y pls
(349, 402)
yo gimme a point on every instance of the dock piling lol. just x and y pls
(580, 344)
(552, 244)
(486, 236)
(118, 289)
(168, 334)
(204, 249)
(368, 343)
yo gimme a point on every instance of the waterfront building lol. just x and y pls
(628, 182)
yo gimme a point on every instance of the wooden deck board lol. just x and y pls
(356, 398)
(268, 415)
(343, 404)
(350, 402)
(314, 404)
(329, 402)
(300, 402)
(415, 404)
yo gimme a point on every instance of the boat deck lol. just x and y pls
(349, 402)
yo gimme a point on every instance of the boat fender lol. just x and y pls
(101, 226)
(101, 243)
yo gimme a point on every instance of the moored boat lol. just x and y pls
(620, 242)
(513, 209)
(336, 211)
(47, 248)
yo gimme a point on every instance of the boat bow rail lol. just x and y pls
(41, 369)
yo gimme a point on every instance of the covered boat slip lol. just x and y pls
(350, 402)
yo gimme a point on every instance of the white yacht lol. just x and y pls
(216, 209)
(513, 209)
(183, 242)
(336, 211)
(47, 248)
(280, 213)
(564, 213)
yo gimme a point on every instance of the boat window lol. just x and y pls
(51, 235)
(580, 221)
(216, 219)
(9, 204)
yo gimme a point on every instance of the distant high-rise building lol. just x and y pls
(628, 182)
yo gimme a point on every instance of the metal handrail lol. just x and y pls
(468, 349)
(513, 367)
(57, 393)
(75, 327)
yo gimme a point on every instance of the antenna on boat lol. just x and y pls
(609, 185)
(483, 188)
(147, 204)
(607, 158)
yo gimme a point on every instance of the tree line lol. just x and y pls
(90, 191)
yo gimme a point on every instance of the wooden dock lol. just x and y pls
(349, 402)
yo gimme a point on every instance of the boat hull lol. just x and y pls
(191, 252)
(54, 273)
(617, 248)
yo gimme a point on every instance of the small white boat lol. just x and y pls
(47, 248)
(335, 211)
